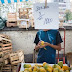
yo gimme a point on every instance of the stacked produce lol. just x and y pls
(46, 68)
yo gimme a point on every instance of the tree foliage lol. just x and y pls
(68, 15)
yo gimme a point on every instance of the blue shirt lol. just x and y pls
(52, 37)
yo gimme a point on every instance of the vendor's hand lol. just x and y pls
(42, 46)
(39, 45)
(46, 43)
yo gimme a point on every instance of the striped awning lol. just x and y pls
(11, 1)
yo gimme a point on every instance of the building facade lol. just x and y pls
(71, 6)
(63, 1)
(63, 6)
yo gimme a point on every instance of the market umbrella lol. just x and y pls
(11, 1)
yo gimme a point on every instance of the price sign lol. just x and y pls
(46, 18)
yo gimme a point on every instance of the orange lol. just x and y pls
(65, 67)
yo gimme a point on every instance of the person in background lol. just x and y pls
(52, 42)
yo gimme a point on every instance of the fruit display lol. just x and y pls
(45, 67)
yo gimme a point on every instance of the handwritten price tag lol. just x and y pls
(46, 18)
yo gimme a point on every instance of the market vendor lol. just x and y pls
(52, 42)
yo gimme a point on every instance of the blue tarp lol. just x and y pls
(9, 1)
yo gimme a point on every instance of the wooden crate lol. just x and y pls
(0, 48)
(23, 13)
(23, 16)
(32, 24)
(26, 25)
(4, 36)
(6, 58)
(21, 55)
(1, 59)
(11, 23)
(7, 48)
(14, 58)
(6, 55)
(14, 68)
(1, 54)
(12, 17)
(69, 57)
(6, 61)
(6, 68)
(1, 68)
(4, 42)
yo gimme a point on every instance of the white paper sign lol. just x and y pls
(46, 18)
